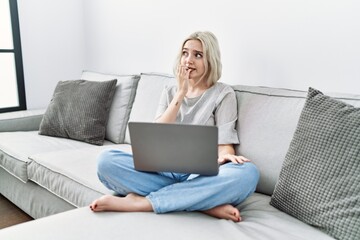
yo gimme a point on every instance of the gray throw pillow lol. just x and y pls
(319, 182)
(79, 110)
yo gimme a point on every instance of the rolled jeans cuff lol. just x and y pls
(154, 203)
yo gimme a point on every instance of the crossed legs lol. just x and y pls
(136, 203)
(212, 195)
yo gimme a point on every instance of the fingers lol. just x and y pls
(232, 158)
(241, 159)
(183, 72)
(183, 76)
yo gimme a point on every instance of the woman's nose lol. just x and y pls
(189, 59)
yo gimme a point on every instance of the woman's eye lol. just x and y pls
(198, 55)
(184, 53)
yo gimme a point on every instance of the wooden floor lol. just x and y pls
(10, 214)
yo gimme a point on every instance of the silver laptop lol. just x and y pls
(162, 147)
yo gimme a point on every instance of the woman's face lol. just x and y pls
(193, 58)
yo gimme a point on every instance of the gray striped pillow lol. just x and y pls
(319, 182)
(79, 110)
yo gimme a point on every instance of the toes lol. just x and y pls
(93, 206)
(236, 215)
(235, 218)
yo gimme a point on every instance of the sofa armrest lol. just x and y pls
(27, 120)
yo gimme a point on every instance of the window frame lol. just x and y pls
(18, 58)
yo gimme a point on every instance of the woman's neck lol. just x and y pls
(196, 89)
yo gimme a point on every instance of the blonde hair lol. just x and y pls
(212, 58)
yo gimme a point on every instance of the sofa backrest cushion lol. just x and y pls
(267, 121)
(148, 93)
(121, 104)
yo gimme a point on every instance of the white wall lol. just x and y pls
(279, 43)
(52, 40)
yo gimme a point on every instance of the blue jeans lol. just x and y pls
(169, 192)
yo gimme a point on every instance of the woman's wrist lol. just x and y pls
(179, 97)
(181, 93)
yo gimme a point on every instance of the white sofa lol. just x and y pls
(54, 179)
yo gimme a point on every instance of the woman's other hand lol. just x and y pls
(226, 154)
(232, 158)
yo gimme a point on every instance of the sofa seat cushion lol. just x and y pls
(30, 197)
(261, 221)
(16, 147)
(71, 174)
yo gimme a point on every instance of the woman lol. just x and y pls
(197, 99)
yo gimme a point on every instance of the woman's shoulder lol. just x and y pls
(223, 91)
(170, 89)
(224, 88)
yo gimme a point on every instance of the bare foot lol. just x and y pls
(131, 203)
(226, 211)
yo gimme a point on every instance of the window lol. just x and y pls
(12, 90)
